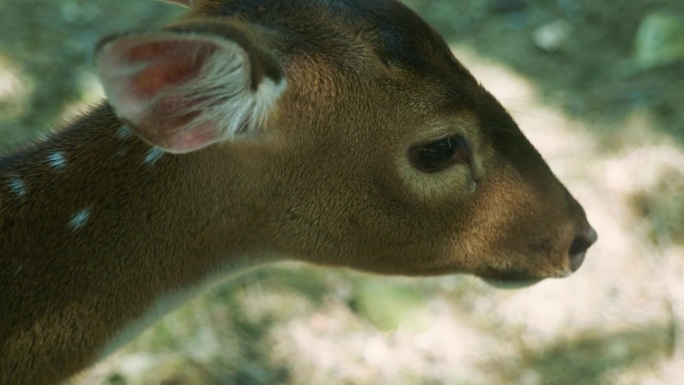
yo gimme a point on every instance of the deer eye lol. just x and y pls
(440, 154)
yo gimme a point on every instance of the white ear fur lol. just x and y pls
(215, 102)
(222, 93)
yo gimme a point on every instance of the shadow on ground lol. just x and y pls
(593, 359)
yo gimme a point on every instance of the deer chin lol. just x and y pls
(512, 279)
(509, 284)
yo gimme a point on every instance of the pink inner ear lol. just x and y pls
(149, 80)
(170, 63)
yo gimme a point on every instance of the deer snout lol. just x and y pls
(578, 249)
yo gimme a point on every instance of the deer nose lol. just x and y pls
(583, 240)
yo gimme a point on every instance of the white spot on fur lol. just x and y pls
(57, 160)
(124, 132)
(18, 187)
(153, 155)
(80, 219)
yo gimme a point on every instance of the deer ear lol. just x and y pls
(182, 3)
(182, 91)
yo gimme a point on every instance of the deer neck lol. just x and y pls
(121, 228)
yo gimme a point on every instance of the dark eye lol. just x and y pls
(440, 154)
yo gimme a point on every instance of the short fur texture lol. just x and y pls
(101, 232)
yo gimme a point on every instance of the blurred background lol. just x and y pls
(599, 89)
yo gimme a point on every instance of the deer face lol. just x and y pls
(376, 149)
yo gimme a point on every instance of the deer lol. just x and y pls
(341, 133)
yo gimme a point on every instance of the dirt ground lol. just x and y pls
(612, 131)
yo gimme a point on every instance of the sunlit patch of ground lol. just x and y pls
(617, 321)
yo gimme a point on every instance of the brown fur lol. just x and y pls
(326, 182)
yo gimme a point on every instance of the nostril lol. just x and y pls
(583, 240)
(579, 247)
